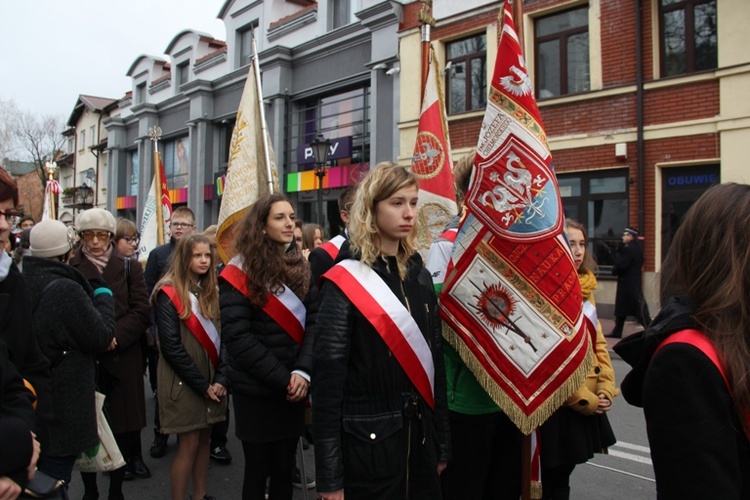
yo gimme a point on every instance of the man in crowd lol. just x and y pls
(322, 258)
(629, 299)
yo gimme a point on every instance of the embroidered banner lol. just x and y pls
(511, 298)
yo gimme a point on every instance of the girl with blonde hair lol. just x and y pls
(191, 379)
(379, 407)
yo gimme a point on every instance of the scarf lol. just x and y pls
(297, 271)
(588, 285)
(101, 261)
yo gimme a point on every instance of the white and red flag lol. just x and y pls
(432, 163)
(151, 226)
(50, 190)
(512, 298)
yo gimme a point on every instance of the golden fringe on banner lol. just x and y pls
(536, 490)
(525, 423)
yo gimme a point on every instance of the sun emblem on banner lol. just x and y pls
(495, 306)
(429, 156)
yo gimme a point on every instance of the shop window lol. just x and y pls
(467, 74)
(562, 53)
(339, 116)
(176, 158)
(688, 36)
(598, 200)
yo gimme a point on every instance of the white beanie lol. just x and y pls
(50, 238)
(96, 218)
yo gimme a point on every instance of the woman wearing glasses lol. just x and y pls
(127, 238)
(120, 370)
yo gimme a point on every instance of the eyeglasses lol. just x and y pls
(100, 235)
(8, 214)
(181, 225)
(132, 239)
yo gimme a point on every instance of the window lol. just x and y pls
(245, 42)
(562, 53)
(598, 200)
(92, 135)
(71, 144)
(177, 163)
(688, 36)
(82, 141)
(140, 93)
(467, 79)
(342, 12)
(183, 73)
(337, 116)
(132, 187)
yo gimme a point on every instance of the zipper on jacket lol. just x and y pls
(406, 299)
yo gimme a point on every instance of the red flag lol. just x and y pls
(512, 300)
(432, 163)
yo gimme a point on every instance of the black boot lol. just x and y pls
(159, 448)
(139, 467)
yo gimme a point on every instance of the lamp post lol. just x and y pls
(320, 147)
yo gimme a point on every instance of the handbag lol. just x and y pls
(105, 456)
(45, 486)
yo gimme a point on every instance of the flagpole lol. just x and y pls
(263, 128)
(155, 133)
(428, 22)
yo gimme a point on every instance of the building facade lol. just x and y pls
(643, 103)
(325, 71)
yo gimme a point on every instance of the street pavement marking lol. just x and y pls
(630, 456)
(620, 471)
(631, 446)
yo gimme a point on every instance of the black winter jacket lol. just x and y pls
(359, 387)
(697, 444)
(72, 327)
(157, 264)
(16, 414)
(261, 354)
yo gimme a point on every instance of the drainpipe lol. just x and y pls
(639, 114)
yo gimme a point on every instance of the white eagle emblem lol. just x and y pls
(519, 85)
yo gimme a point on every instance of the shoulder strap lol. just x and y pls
(698, 340)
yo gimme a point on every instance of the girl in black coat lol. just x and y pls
(379, 407)
(269, 361)
(698, 409)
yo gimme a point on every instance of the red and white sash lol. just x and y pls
(450, 234)
(391, 319)
(201, 327)
(333, 246)
(286, 309)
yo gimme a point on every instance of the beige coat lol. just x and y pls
(181, 408)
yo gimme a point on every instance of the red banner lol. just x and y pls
(512, 298)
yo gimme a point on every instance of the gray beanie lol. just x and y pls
(96, 218)
(50, 238)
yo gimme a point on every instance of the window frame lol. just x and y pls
(467, 61)
(563, 37)
(182, 73)
(585, 197)
(248, 30)
(688, 7)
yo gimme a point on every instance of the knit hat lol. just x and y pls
(95, 218)
(50, 238)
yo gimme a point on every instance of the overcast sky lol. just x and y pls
(53, 50)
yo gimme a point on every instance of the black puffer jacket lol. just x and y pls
(261, 354)
(358, 385)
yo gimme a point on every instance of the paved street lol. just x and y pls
(624, 474)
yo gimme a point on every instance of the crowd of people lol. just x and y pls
(294, 326)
